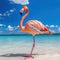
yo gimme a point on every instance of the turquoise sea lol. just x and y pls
(45, 44)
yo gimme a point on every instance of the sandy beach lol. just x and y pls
(37, 54)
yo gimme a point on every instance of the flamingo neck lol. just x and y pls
(22, 19)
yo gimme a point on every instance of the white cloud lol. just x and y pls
(59, 29)
(18, 26)
(12, 10)
(4, 14)
(53, 31)
(0, 14)
(8, 13)
(22, 2)
(2, 25)
(56, 25)
(52, 26)
(47, 25)
(10, 28)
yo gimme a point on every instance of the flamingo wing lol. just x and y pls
(34, 27)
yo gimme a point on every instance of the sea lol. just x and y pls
(21, 44)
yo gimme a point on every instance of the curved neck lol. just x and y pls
(21, 21)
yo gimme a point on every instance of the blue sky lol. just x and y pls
(46, 11)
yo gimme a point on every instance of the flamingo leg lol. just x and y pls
(30, 56)
(33, 45)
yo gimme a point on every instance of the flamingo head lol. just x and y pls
(24, 8)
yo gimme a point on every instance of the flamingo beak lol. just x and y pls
(21, 11)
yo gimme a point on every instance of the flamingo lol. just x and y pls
(32, 27)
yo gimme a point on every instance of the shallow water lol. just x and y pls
(45, 44)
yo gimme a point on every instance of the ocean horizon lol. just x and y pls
(28, 34)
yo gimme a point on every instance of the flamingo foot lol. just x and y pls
(29, 56)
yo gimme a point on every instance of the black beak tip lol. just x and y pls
(20, 13)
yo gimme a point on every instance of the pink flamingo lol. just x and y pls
(33, 27)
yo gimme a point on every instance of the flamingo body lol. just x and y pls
(35, 27)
